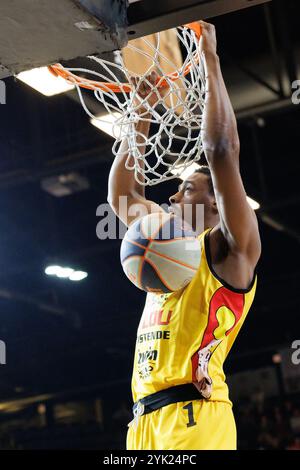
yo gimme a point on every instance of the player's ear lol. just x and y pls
(214, 205)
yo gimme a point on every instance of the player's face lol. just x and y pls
(192, 192)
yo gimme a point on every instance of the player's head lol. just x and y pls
(197, 189)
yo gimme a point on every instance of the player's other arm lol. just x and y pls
(221, 146)
(125, 195)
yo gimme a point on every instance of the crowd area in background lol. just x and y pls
(261, 424)
(268, 424)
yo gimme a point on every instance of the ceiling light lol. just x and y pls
(255, 205)
(78, 276)
(64, 272)
(186, 172)
(107, 124)
(52, 270)
(42, 80)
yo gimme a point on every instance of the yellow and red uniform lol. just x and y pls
(185, 337)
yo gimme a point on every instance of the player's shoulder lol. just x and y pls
(235, 269)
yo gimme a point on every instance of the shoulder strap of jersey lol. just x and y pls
(202, 235)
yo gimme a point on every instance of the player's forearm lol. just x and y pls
(122, 181)
(219, 128)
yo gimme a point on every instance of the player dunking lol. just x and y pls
(178, 384)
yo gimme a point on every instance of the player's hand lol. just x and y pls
(208, 40)
(146, 90)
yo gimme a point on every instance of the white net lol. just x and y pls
(174, 142)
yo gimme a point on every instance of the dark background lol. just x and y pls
(80, 342)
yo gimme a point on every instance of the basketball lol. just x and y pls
(159, 255)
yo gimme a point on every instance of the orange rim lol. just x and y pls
(59, 71)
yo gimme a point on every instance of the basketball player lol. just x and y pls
(178, 384)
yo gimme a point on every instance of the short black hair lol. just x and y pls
(206, 171)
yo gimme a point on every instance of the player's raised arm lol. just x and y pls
(221, 146)
(122, 182)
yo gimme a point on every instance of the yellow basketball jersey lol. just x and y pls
(185, 336)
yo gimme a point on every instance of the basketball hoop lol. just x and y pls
(176, 142)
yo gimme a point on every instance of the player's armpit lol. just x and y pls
(132, 207)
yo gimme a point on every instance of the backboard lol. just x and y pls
(38, 33)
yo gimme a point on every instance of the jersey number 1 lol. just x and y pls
(190, 410)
